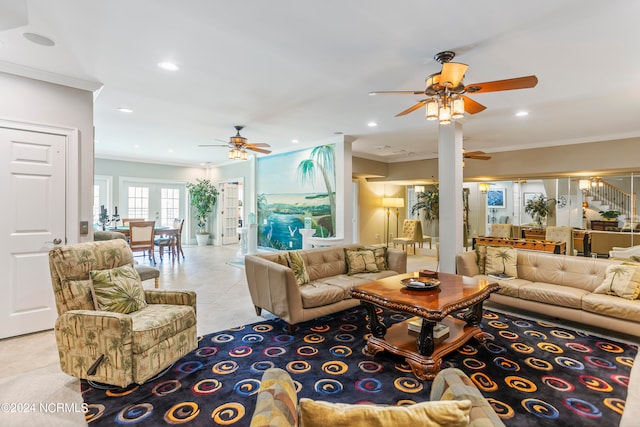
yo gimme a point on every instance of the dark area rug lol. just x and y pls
(533, 373)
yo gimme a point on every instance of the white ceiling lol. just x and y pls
(291, 69)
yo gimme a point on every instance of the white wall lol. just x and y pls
(33, 101)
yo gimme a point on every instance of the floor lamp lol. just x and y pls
(392, 202)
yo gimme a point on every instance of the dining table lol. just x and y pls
(160, 230)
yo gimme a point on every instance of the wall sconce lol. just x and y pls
(418, 188)
(483, 187)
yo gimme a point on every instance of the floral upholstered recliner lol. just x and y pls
(109, 329)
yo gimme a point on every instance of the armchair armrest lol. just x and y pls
(277, 402)
(176, 297)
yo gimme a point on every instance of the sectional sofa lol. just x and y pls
(561, 286)
(302, 285)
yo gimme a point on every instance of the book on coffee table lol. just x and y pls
(440, 331)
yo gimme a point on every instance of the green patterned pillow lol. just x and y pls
(296, 263)
(118, 289)
(360, 261)
(380, 255)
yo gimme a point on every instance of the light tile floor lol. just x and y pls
(30, 362)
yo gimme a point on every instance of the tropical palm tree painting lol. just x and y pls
(504, 255)
(294, 186)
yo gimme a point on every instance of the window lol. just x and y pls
(96, 203)
(138, 202)
(101, 196)
(169, 205)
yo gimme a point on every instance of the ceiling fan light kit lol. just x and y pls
(445, 91)
(238, 146)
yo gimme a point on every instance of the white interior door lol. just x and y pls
(32, 219)
(229, 213)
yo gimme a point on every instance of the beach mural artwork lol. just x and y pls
(294, 187)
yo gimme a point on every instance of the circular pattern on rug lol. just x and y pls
(261, 366)
(344, 337)
(473, 363)
(540, 408)
(189, 366)
(247, 387)
(522, 348)
(620, 379)
(298, 367)
(262, 328)
(615, 404)
(207, 351)
(206, 386)
(581, 348)
(484, 382)
(252, 338)
(182, 413)
(535, 334)
(494, 348)
(313, 338)
(347, 327)
(503, 410)
(222, 338)
(570, 363)
(468, 350)
(600, 363)
(94, 412)
(550, 348)
(521, 384)
(334, 367)
(328, 386)
(370, 366)
(274, 351)
(509, 335)
(113, 391)
(522, 323)
(506, 364)
(595, 383)
(368, 385)
(240, 351)
(497, 324)
(340, 351)
(166, 387)
(609, 347)
(561, 334)
(283, 338)
(320, 328)
(134, 413)
(225, 367)
(229, 413)
(307, 351)
(557, 384)
(582, 407)
(539, 364)
(408, 384)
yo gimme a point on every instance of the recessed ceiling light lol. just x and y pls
(169, 66)
(136, 146)
(171, 150)
(295, 141)
(372, 124)
(125, 110)
(522, 113)
(39, 39)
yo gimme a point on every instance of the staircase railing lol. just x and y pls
(614, 197)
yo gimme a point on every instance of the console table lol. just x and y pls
(528, 244)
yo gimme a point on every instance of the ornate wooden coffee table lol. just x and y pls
(454, 293)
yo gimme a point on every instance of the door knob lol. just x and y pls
(56, 241)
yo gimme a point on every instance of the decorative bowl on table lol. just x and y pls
(428, 273)
(420, 283)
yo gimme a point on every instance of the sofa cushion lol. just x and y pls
(360, 261)
(156, 322)
(613, 306)
(622, 280)
(449, 413)
(501, 260)
(507, 287)
(549, 293)
(117, 289)
(318, 294)
(297, 264)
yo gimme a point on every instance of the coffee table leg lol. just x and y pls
(377, 328)
(473, 316)
(425, 339)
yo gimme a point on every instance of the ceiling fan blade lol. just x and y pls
(412, 108)
(259, 150)
(471, 106)
(214, 145)
(479, 157)
(258, 144)
(472, 153)
(498, 85)
(397, 92)
(453, 72)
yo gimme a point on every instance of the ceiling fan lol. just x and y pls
(238, 146)
(475, 155)
(446, 91)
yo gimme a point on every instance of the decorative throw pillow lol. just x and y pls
(380, 255)
(360, 261)
(481, 257)
(621, 280)
(449, 413)
(502, 260)
(118, 289)
(296, 263)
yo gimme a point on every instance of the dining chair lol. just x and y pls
(126, 221)
(171, 241)
(141, 235)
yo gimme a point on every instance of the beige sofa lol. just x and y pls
(273, 285)
(561, 286)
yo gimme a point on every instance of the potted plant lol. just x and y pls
(428, 202)
(539, 207)
(203, 196)
(609, 215)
